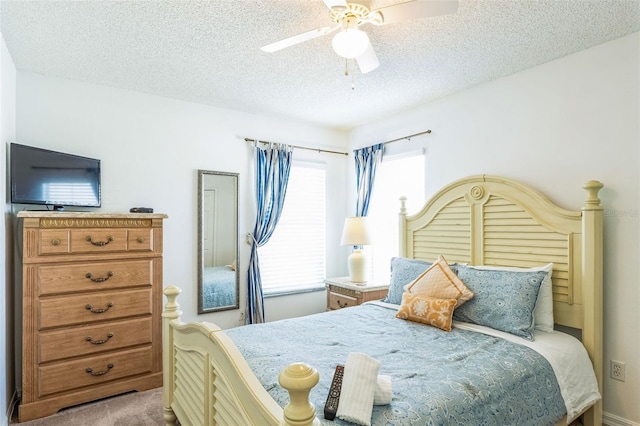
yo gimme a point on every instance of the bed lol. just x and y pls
(242, 376)
(218, 286)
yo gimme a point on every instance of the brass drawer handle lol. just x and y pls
(55, 242)
(99, 310)
(140, 240)
(99, 243)
(342, 305)
(99, 373)
(99, 342)
(99, 279)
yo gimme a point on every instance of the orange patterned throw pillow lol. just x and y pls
(441, 282)
(427, 310)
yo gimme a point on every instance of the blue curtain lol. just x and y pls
(367, 160)
(273, 165)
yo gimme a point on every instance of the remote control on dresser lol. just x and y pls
(331, 406)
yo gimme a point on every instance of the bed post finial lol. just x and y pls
(298, 379)
(403, 205)
(172, 306)
(592, 187)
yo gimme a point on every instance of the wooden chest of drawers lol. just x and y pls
(92, 300)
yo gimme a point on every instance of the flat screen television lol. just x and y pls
(54, 179)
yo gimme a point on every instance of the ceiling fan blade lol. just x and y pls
(417, 9)
(335, 3)
(368, 61)
(296, 39)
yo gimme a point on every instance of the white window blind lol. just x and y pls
(79, 192)
(294, 258)
(395, 177)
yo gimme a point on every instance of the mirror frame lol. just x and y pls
(201, 176)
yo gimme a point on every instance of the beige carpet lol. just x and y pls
(131, 409)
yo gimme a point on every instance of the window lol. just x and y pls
(396, 176)
(294, 258)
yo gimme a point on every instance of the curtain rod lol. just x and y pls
(407, 137)
(338, 152)
(300, 147)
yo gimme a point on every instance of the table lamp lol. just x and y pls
(356, 233)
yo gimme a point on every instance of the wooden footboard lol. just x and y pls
(208, 382)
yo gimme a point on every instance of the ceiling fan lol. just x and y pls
(348, 15)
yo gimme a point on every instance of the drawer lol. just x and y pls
(87, 276)
(94, 370)
(98, 240)
(54, 241)
(339, 301)
(88, 340)
(140, 239)
(93, 307)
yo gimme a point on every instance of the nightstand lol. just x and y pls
(342, 293)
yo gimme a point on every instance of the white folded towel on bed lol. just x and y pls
(358, 388)
(383, 393)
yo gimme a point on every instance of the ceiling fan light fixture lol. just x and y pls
(350, 43)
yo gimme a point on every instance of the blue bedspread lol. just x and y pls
(439, 378)
(218, 286)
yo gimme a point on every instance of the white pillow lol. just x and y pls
(543, 312)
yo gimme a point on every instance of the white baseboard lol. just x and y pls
(609, 419)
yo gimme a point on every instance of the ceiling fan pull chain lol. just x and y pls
(347, 73)
(353, 82)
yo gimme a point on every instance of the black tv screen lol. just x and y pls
(40, 176)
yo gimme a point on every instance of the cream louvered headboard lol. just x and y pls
(491, 220)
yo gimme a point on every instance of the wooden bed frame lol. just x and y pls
(479, 220)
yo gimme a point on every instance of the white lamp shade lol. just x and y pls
(350, 43)
(356, 232)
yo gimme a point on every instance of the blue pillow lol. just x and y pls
(503, 300)
(403, 272)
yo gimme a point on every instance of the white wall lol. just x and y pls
(7, 132)
(151, 148)
(555, 127)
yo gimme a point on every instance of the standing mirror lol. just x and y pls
(218, 276)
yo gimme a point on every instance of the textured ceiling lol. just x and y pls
(209, 51)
